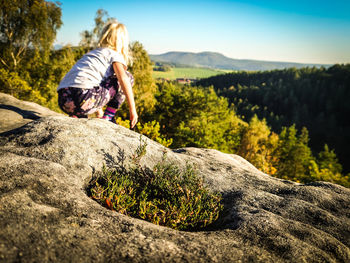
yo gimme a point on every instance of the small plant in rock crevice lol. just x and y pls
(165, 195)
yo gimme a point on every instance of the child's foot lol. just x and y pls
(99, 113)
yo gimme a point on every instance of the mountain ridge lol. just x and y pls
(217, 60)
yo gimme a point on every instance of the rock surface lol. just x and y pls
(15, 113)
(45, 214)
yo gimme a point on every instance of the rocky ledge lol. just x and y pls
(46, 215)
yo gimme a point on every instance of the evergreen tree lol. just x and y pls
(328, 160)
(327, 168)
(293, 155)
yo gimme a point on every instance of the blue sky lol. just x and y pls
(306, 31)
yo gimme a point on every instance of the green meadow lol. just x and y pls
(190, 73)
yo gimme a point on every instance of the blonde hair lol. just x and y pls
(114, 35)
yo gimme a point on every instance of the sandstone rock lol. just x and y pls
(15, 113)
(45, 214)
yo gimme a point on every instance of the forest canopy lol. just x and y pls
(315, 98)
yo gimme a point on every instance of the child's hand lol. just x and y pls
(124, 81)
(133, 118)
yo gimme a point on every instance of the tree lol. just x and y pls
(25, 25)
(195, 116)
(162, 67)
(144, 87)
(89, 39)
(293, 155)
(258, 145)
(327, 168)
(12, 84)
(44, 76)
(328, 160)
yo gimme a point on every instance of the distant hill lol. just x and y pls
(219, 61)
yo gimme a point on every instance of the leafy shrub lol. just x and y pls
(11, 83)
(166, 195)
(150, 129)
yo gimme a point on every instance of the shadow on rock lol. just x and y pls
(25, 113)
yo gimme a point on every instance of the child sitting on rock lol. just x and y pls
(100, 78)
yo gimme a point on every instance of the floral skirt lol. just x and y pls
(81, 102)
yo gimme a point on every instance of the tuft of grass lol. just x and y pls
(166, 195)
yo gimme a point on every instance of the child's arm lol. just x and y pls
(127, 89)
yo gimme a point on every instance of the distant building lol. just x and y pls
(178, 80)
(185, 80)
